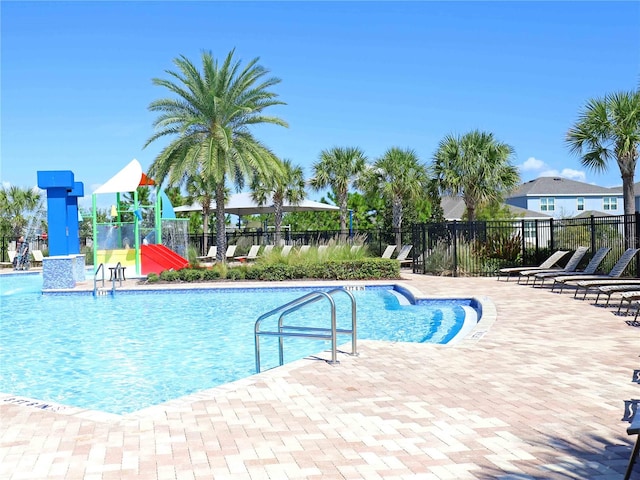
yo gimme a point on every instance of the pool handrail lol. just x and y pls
(286, 330)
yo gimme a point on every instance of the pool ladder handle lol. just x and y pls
(285, 330)
(102, 291)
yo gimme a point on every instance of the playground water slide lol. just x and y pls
(156, 258)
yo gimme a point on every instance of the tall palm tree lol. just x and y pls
(338, 168)
(400, 178)
(289, 186)
(609, 128)
(210, 116)
(477, 167)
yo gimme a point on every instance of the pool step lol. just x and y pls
(102, 291)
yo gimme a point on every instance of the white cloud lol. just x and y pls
(532, 163)
(569, 173)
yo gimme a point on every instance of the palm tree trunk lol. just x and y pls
(396, 212)
(205, 230)
(221, 232)
(628, 195)
(277, 203)
(343, 216)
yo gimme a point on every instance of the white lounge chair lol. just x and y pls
(571, 266)
(286, 250)
(590, 269)
(37, 257)
(403, 254)
(388, 252)
(211, 254)
(547, 264)
(252, 255)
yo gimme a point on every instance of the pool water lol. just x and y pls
(123, 353)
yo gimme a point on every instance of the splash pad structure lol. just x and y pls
(65, 265)
(143, 235)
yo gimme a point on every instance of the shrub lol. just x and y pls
(236, 274)
(153, 278)
(169, 275)
(212, 274)
(190, 274)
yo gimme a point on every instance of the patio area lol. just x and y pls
(538, 394)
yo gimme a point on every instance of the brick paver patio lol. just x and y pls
(539, 393)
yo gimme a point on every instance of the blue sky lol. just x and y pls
(76, 76)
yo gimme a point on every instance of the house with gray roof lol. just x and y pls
(563, 198)
(453, 208)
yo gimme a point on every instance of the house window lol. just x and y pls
(610, 203)
(580, 203)
(547, 204)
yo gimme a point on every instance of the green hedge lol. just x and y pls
(358, 269)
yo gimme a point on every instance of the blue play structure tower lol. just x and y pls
(65, 265)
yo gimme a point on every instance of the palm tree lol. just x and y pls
(289, 186)
(400, 178)
(201, 189)
(475, 166)
(338, 168)
(210, 119)
(609, 128)
(17, 205)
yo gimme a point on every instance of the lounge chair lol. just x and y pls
(355, 249)
(626, 288)
(37, 257)
(590, 269)
(252, 255)
(12, 255)
(304, 248)
(388, 252)
(211, 254)
(633, 429)
(571, 266)
(286, 250)
(547, 264)
(231, 251)
(615, 272)
(267, 249)
(323, 249)
(403, 254)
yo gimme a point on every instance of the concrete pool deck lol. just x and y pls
(539, 394)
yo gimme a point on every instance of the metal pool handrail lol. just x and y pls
(299, 331)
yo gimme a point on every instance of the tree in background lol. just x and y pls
(338, 168)
(288, 185)
(475, 166)
(17, 207)
(609, 128)
(201, 189)
(399, 178)
(210, 118)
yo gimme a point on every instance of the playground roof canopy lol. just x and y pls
(126, 180)
(243, 204)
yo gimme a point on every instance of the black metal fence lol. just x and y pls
(481, 248)
(455, 248)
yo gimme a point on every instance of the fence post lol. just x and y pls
(524, 242)
(593, 234)
(636, 241)
(553, 239)
(455, 249)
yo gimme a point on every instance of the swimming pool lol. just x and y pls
(123, 353)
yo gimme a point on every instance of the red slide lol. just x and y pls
(156, 258)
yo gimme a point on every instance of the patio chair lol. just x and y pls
(267, 249)
(37, 257)
(571, 266)
(286, 250)
(252, 255)
(355, 249)
(323, 249)
(12, 255)
(590, 269)
(211, 254)
(547, 264)
(615, 272)
(304, 248)
(231, 251)
(403, 254)
(633, 429)
(388, 252)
